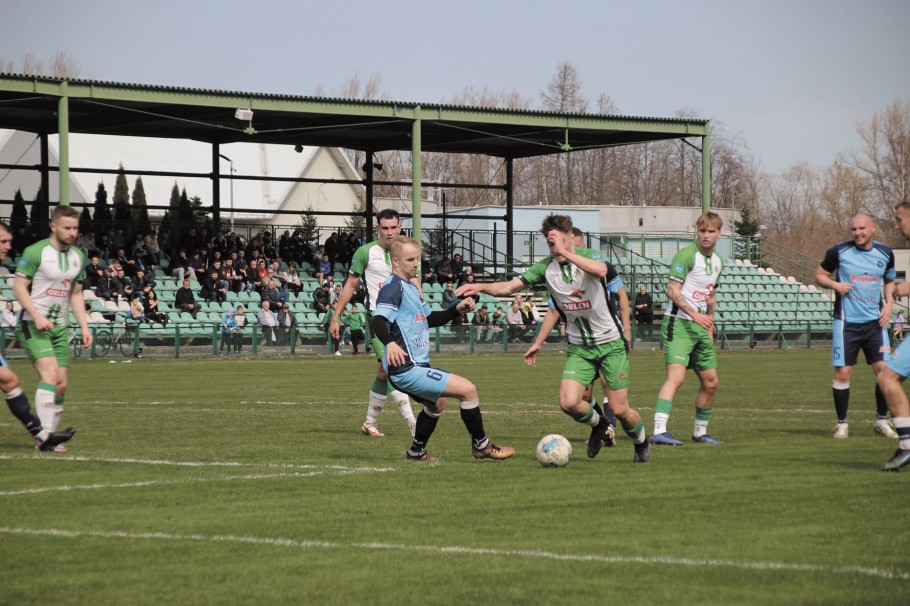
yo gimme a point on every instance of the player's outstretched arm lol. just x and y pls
(497, 289)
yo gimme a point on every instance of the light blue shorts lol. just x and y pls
(422, 383)
(900, 359)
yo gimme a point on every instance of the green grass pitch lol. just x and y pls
(247, 482)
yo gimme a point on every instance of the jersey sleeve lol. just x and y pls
(537, 273)
(614, 280)
(682, 264)
(831, 260)
(29, 262)
(890, 273)
(360, 260)
(389, 300)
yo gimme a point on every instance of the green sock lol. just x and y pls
(637, 433)
(380, 386)
(702, 416)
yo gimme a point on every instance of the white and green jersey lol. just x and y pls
(582, 298)
(53, 273)
(372, 263)
(698, 275)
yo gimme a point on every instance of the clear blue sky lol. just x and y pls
(791, 78)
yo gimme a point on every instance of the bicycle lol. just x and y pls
(120, 336)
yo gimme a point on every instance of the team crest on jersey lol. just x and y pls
(576, 293)
(679, 268)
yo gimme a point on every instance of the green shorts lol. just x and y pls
(687, 343)
(378, 347)
(53, 343)
(583, 363)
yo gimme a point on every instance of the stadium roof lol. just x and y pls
(31, 103)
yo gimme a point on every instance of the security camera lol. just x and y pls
(244, 114)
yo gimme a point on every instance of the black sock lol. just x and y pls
(881, 405)
(841, 402)
(426, 424)
(473, 420)
(21, 409)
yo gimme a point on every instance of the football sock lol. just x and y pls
(702, 416)
(592, 418)
(403, 402)
(473, 420)
(378, 392)
(902, 427)
(662, 415)
(881, 405)
(637, 433)
(44, 407)
(841, 393)
(58, 408)
(611, 418)
(426, 424)
(19, 406)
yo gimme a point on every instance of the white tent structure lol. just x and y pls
(183, 156)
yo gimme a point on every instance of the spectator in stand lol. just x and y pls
(263, 269)
(517, 329)
(126, 284)
(466, 273)
(268, 323)
(354, 322)
(335, 295)
(153, 250)
(184, 299)
(93, 273)
(287, 324)
(108, 285)
(448, 296)
(324, 324)
(497, 320)
(324, 268)
(292, 278)
(245, 273)
(321, 298)
(242, 321)
(8, 320)
(137, 311)
(460, 324)
(152, 309)
(427, 275)
(529, 313)
(469, 279)
(457, 265)
(332, 245)
(197, 264)
(142, 284)
(481, 322)
(180, 267)
(644, 312)
(444, 271)
(270, 293)
(228, 330)
(212, 290)
(229, 273)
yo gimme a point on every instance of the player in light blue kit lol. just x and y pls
(859, 268)
(402, 322)
(898, 369)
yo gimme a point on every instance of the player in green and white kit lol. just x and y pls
(688, 330)
(371, 262)
(48, 285)
(578, 282)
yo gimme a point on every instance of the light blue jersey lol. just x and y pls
(400, 303)
(866, 271)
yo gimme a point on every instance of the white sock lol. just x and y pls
(404, 404)
(660, 422)
(902, 423)
(701, 428)
(377, 402)
(46, 410)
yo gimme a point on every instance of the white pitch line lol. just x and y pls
(473, 551)
(141, 484)
(37, 457)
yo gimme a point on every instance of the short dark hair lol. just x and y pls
(388, 213)
(561, 223)
(64, 210)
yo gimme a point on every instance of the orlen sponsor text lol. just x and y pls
(57, 292)
(576, 305)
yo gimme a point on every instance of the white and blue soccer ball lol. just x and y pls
(554, 450)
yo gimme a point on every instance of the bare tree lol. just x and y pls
(885, 159)
(61, 65)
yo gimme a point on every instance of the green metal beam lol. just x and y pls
(63, 129)
(415, 172)
(706, 170)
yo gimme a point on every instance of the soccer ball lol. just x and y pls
(554, 450)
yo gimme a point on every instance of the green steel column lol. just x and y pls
(216, 185)
(706, 169)
(415, 171)
(368, 195)
(63, 128)
(510, 224)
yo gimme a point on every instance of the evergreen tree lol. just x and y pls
(85, 221)
(170, 219)
(746, 228)
(140, 209)
(308, 226)
(357, 224)
(101, 211)
(123, 216)
(38, 223)
(18, 218)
